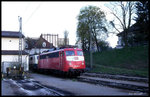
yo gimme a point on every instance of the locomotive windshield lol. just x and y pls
(79, 53)
(70, 53)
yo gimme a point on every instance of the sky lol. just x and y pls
(48, 18)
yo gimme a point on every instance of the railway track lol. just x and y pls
(40, 85)
(31, 87)
(124, 82)
(116, 81)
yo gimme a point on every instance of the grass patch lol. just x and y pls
(126, 61)
(120, 71)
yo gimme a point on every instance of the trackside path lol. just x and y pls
(118, 81)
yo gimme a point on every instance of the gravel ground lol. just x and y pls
(40, 84)
(6, 89)
(26, 88)
(80, 88)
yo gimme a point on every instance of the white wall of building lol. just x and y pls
(119, 40)
(11, 43)
(14, 58)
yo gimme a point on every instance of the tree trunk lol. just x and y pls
(94, 34)
(125, 37)
(82, 41)
(89, 43)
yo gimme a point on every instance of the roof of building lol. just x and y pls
(133, 29)
(38, 43)
(12, 34)
(12, 52)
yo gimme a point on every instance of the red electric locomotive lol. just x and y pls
(67, 61)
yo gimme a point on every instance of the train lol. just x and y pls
(66, 61)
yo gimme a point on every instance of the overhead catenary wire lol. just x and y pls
(33, 13)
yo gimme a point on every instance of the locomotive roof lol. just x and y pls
(61, 50)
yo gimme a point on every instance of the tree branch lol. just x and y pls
(118, 19)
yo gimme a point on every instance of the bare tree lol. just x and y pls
(122, 11)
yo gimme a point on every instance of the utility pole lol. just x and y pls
(91, 57)
(20, 41)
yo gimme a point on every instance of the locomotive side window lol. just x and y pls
(56, 54)
(70, 53)
(50, 55)
(42, 56)
(79, 53)
(53, 55)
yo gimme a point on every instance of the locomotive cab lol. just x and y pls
(75, 60)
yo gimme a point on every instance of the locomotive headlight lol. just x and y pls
(70, 63)
(82, 62)
(14, 67)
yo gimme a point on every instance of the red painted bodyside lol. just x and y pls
(60, 63)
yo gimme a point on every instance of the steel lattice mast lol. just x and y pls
(20, 41)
